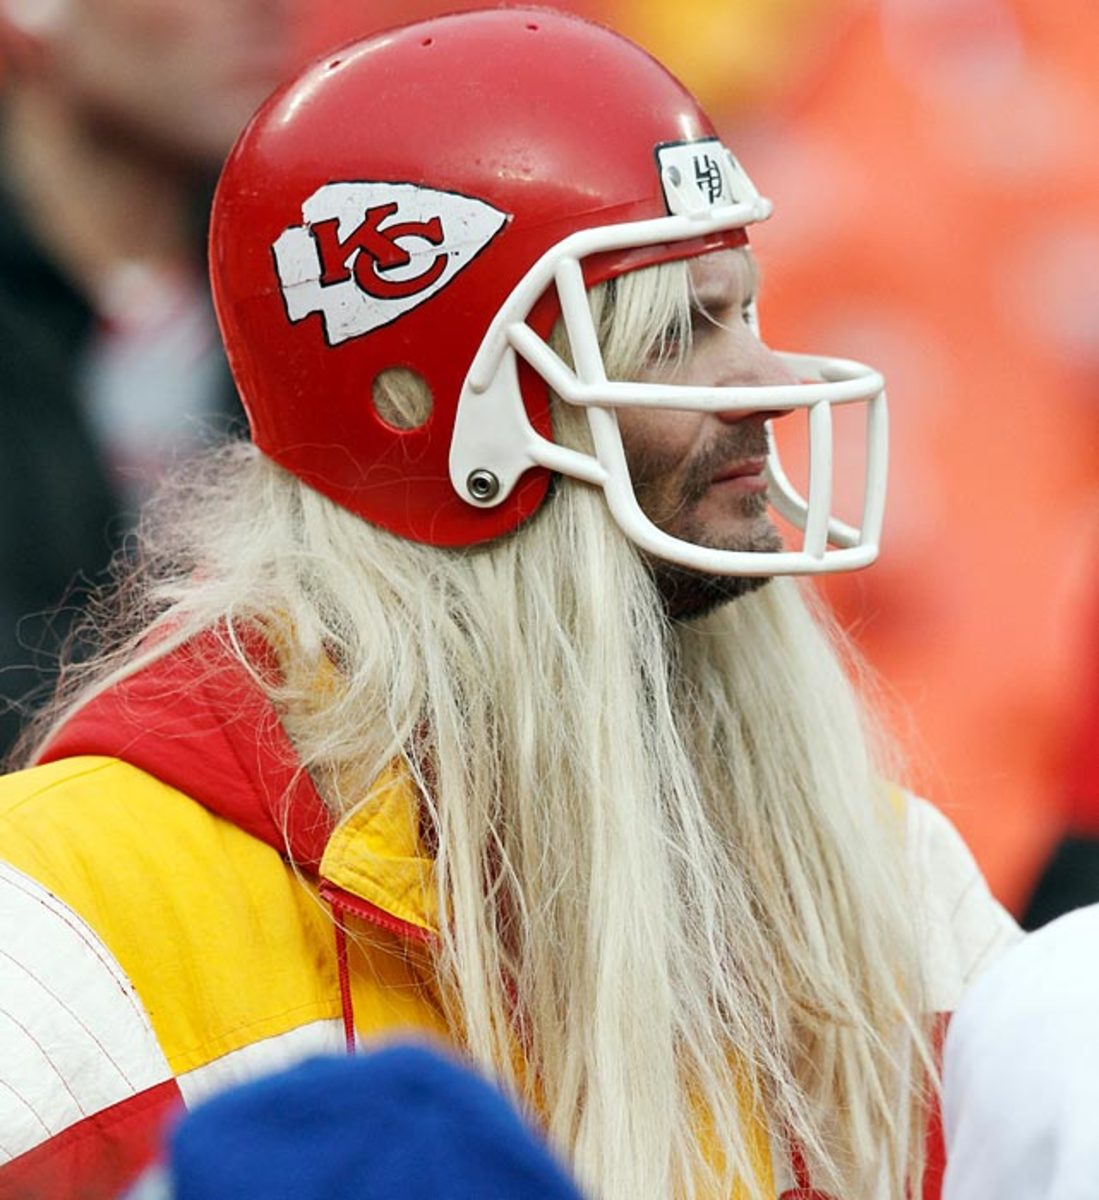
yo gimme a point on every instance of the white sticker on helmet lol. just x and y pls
(700, 176)
(367, 253)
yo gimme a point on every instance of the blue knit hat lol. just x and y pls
(403, 1123)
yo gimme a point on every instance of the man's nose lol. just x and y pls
(757, 365)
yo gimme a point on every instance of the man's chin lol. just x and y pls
(689, 594)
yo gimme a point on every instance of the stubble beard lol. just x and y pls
(689, 593)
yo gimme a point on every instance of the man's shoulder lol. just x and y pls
(71, 798)
(64, 820)
(139, 859)
(54, 780)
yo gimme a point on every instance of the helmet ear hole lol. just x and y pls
(402, 398)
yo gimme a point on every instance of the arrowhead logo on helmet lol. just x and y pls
(367, 253)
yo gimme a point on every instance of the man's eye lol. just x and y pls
(668, 345)
(701, 320)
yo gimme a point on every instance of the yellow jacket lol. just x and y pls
(181, 913)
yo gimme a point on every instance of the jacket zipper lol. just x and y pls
(343, 903)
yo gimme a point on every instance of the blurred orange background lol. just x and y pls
(935, 172)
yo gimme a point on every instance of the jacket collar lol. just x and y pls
(376, 852)
(198, 720)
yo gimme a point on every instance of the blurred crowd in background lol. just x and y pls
(933, 168)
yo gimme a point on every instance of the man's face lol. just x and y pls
(182, 76)
(699, 476)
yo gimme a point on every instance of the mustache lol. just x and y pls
(745, 439)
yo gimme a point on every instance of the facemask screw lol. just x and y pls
(482, 485)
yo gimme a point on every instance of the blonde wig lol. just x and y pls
(671, 874)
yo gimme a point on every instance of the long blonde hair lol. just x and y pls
(671, 873)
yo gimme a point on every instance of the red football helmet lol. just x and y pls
(433, 198)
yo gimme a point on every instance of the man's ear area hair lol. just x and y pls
(640, 317)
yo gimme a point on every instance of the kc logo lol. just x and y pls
(379, 249)
(367, 253)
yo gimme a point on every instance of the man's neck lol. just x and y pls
(95, 201)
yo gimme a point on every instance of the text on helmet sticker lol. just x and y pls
(699, 176)
(367, 253)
